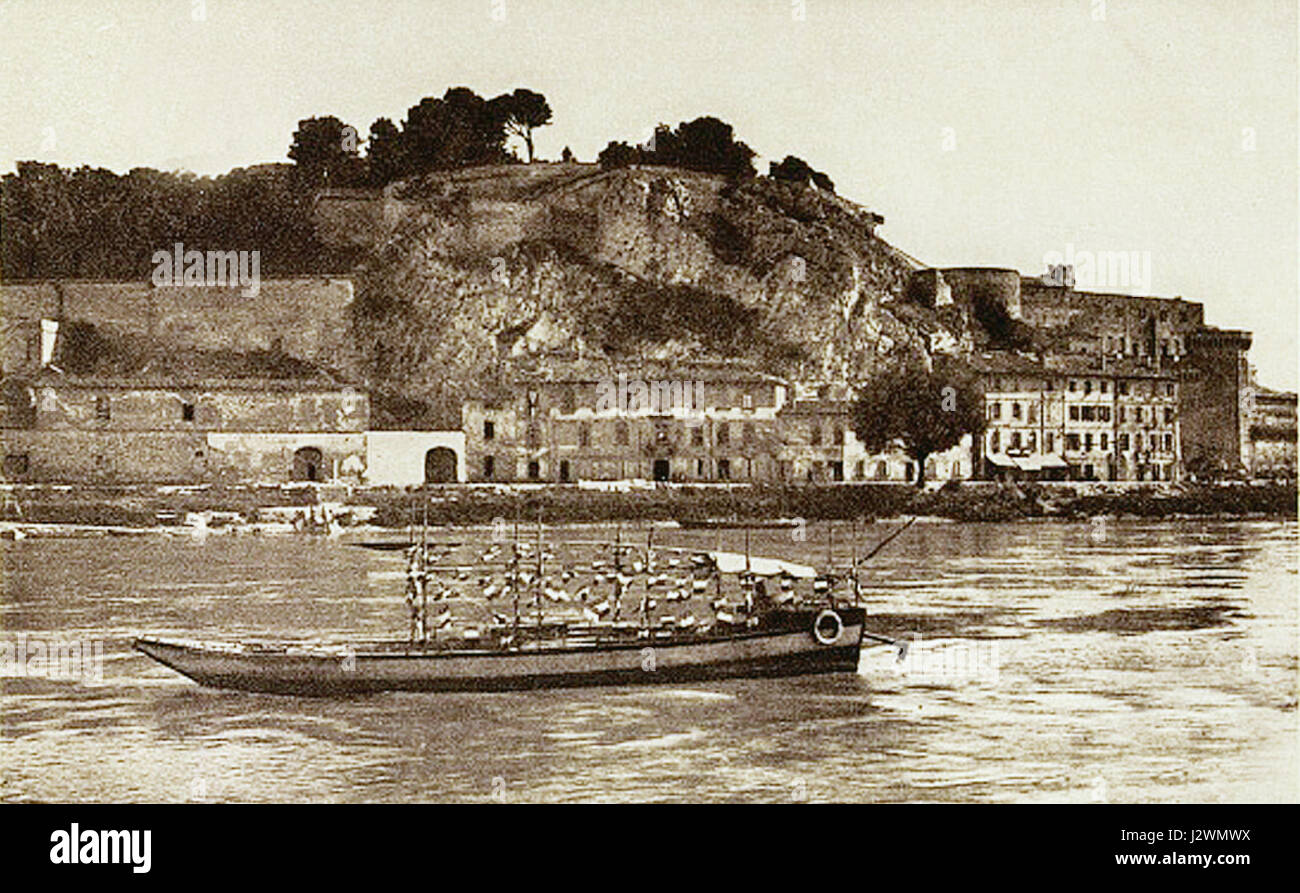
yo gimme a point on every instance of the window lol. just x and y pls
(1073, 384)
(1103, 413)
(1137, 442)
(620, 433)
(534, 470)
(815, 434)
(1105, 386)
(697, 435)
(1122, 412)
(882, 470)
(1033, 441)
(1169, 415)
(1123, 441)
(748, 401)
(1169, 443)
(1015, 440)
(568, 401)
(15, 464)
(1105, 442)
(489, 466)
(1087, 385)
(839, 436)
(724, 434)
(1015, 410)
(1169, 389)
(1049, 442)
(747, 432)
(103, 410)
(489, 430)
(1074, 413)
(995, 410)
(995, 441)
(1121, 388)
(1087, 442)
(584, 436)
(1049, 385)
(1072, 442)
(724, 469)
(564, 471)
(187, 412)
(1033, 413)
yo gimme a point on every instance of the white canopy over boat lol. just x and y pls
(737, 563)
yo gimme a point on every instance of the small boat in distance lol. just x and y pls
(759, 617)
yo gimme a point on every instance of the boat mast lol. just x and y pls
(537, 589)
(424, 561)
(514, 577)
(618, 571)
(649, 559)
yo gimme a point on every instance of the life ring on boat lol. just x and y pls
(821, 635)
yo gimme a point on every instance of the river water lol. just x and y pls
(1119, 661)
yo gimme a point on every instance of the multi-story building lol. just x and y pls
(1070, 418)
(694, 423)
(1273, 434)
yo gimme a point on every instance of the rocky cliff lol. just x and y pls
(473, 271)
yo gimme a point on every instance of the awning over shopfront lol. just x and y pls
(1000, 461)
(1052, 462)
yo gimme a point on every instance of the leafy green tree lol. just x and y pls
(922, 411)
(459, 130)
(795, 170)
(521, 112)
(326, 152)
(616, 154)
(386, 157)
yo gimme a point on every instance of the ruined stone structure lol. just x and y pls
(305, 318)
(1106, 333)
(65, 428)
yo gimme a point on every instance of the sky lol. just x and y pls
(987, 132)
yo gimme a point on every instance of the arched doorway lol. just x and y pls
(308, 464)
(440, 466)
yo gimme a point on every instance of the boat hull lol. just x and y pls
(785, 649)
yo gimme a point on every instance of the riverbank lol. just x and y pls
(140, 507)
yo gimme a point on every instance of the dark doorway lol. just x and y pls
(440, 466)
(307, 464)
(661, 470)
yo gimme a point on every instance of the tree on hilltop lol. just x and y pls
(521, 112)
(325, 151)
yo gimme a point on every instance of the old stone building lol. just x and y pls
(1273, 434)
(58, 427)
(1075, 418)
(1160, 336)
(689, 423)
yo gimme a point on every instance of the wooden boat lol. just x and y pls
(786, 634)
(784, 643)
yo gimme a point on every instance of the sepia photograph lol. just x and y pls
(744, 402)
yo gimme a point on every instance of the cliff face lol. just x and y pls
(478, 268)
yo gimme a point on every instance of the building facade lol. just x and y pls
(115, 430)
(1072, 419)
